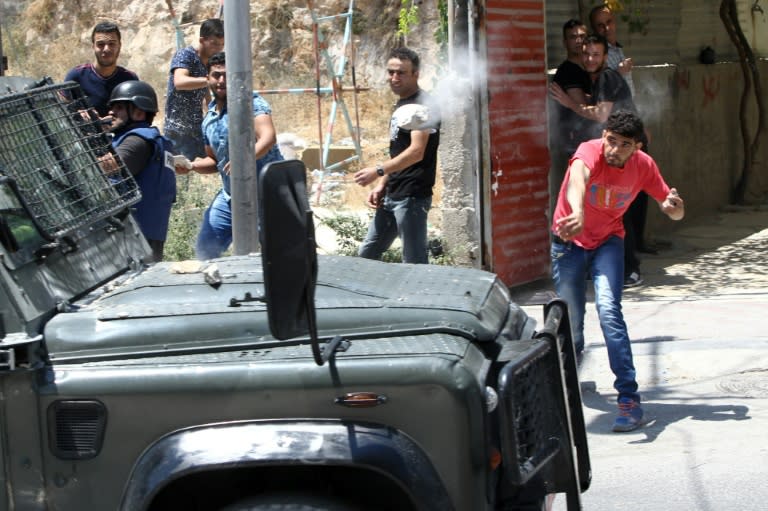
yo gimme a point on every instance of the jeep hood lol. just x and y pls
(173, 308)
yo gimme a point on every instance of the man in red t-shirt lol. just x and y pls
(603, 178)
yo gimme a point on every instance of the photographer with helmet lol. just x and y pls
(147, 155)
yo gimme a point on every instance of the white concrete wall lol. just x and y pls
(692, 113)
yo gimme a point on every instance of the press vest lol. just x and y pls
(157, 183)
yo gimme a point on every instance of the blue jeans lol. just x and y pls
(570, 266)
(406, 218)
(216, 230)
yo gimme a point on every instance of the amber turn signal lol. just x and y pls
(361, 399)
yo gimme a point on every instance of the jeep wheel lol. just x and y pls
(290, 502)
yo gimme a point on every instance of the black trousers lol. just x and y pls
(634, 226)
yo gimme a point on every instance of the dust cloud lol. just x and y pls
(453, 90)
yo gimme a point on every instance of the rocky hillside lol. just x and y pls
(51, 36)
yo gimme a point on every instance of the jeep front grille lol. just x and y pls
(76, 428)
(529, 412)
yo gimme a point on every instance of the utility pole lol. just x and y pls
(3, 62)
(242, 153)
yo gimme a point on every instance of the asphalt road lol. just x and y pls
(700, 338)
(707, 448)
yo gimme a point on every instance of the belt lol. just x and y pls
(560, 241)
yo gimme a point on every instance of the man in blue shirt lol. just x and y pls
(98, 79)
(216, 230)
(188, 90)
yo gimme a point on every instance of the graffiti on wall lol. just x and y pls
(711, 87)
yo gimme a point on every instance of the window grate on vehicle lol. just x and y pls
(51, 146)
(536, 408)
(529, 412)
(76, 428)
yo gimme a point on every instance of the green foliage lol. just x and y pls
(637, 22)
(351, 230)
(441, 36)
(441, 33)
(359, 22)
(635, 13)
(193, 194)
(407, 18)
(438, 254)
(392, 255)
(24, 231)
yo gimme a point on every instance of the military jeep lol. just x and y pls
(280, 380)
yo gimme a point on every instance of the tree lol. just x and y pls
(408, 17)
(752, 87)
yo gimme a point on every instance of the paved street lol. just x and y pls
(700, 337)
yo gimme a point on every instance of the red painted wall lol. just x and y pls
(519, 159)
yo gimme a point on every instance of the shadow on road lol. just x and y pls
(720, 253)
(661, 414)
(706, 271)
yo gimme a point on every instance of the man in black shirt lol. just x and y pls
(568, 128)
(610, 91)
(402, 196)
(575, 82)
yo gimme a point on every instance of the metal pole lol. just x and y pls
(321, 48)
(2, 55)
(478, 82)
(311, 90)
(316, 47)
(242, 156)
(357, 136)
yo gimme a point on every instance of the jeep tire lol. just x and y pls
(290, 501)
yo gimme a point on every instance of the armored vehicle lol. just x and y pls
(280, 380)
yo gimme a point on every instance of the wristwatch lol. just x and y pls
(380, 169)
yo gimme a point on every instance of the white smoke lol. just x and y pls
(454, 87)
(653, 94)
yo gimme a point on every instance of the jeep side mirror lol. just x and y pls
(288, 253)
(288, 256)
